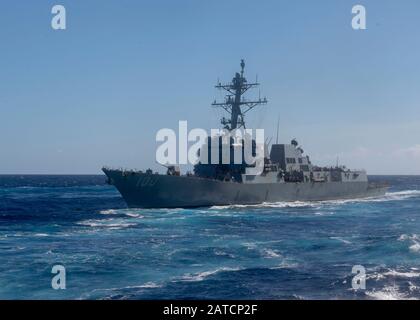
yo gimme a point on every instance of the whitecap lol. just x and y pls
(269, 253)
(412, 287)
(395, 273)
(250, 245)
(403, 237)
(324, 213)
(341, 240)
(147, 285)
(203, 275)
(295, 204)
(392, 273)
(133, 215)
(414, 238)
(223, 253)
(387, 293)
(415, 247)
(286, 265)
(122, 212)
(396, 196)
(110, 211)
(375, 276)
(150, 285)
(109, 223)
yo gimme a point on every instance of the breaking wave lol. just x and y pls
(415, 247)
(398, 195)
(389, 196)
(121, 212)
(341, 240)
(394, 274)
(387, 293)
(107, 224)
(414, 239)
(270, 253)
(399, 274)
(205, 274)
(399, 285)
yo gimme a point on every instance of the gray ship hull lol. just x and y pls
(141, 190)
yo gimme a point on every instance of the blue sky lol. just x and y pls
(96, 93)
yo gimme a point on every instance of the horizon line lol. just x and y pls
(102, 174)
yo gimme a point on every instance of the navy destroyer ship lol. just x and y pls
(287, 173)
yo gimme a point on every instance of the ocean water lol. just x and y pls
(303, 250)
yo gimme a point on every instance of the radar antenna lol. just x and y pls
(234, 103)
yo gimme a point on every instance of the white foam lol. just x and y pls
(403, 237)
(387, 293)
(109, 223)
(415, 247)
(223, 253)
(295, 204)
(413, 287)
(110, 211)
(412, 237)
(124, 212)
(133, 215)
(222, 214)
(404, 193)
(148, 285)
(389, 196)
(341, 240)
(324, 213)
(203, 275)
(400, 195)
(269, 253)
(415, 240)
(250, 245)
(286, 265)
(375, 276)
(394, 273)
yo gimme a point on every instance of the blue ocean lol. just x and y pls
(302, 250)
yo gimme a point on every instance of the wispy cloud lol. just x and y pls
(410, 152)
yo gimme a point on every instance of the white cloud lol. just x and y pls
(411, 152)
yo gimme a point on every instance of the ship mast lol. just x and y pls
(234, 103)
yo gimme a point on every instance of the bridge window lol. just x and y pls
(304, 167)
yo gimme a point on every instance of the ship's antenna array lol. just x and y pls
(234, 102)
